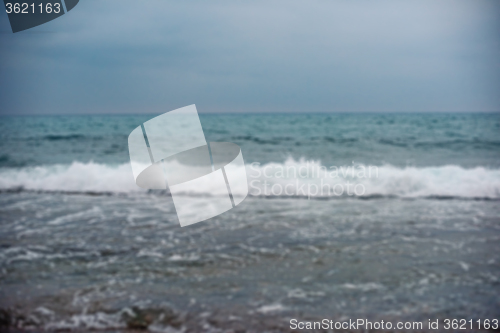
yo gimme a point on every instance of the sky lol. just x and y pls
(152, 56)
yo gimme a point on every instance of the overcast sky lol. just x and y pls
(124, 56)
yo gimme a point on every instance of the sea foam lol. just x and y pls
(298, 177)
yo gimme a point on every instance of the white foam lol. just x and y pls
(298, 177)
(370, 286)
(77, 177)
(271, 308)
(96, 321)
(311, 179)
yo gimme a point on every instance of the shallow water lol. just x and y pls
(79, 261)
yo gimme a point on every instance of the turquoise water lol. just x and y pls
(466, 140)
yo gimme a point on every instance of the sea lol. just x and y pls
(374, 216)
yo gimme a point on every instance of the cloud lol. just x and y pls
(117, 56)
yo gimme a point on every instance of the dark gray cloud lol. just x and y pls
(124, 56)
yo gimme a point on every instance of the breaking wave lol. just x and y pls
(292, 178)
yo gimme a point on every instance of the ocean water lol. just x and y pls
(416, 238)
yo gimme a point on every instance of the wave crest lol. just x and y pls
(299, 177)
